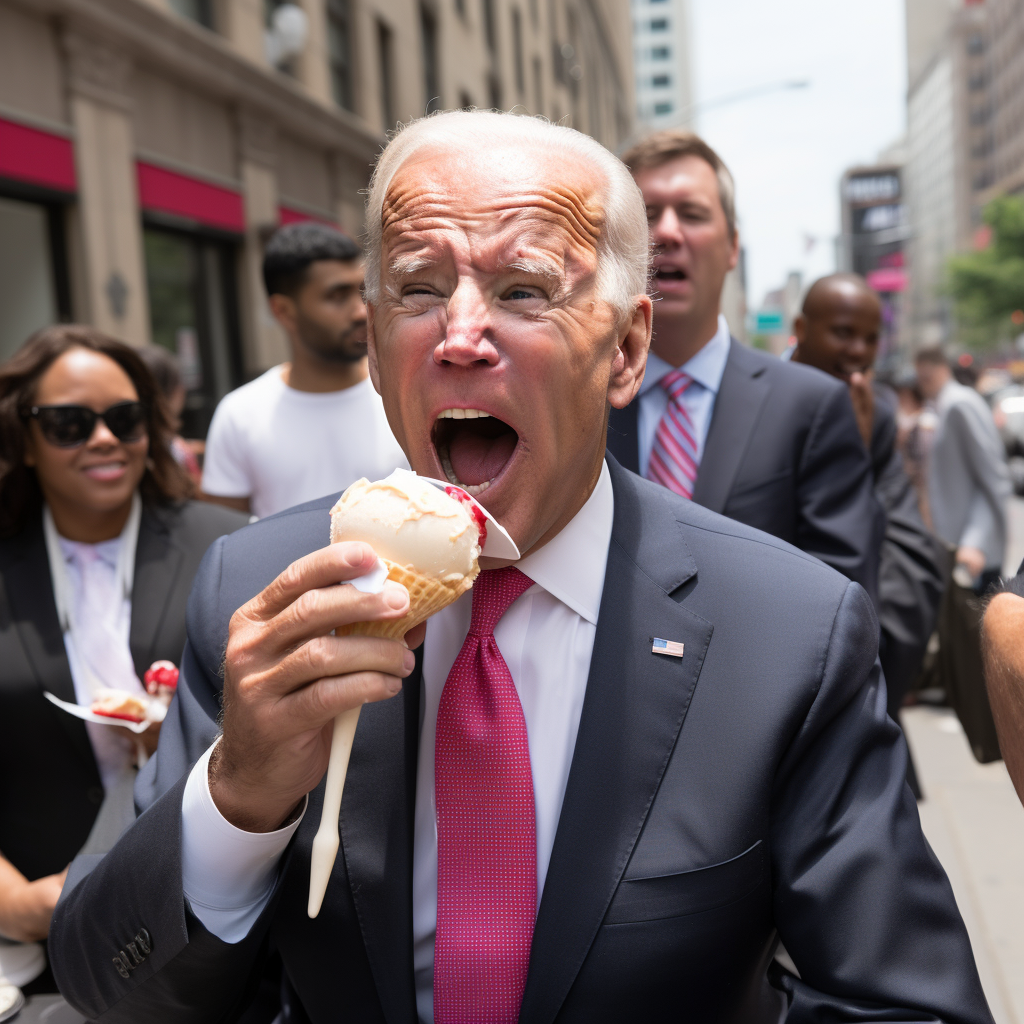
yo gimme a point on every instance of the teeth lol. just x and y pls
(463, 414)
(471, 489)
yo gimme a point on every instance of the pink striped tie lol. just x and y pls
(673, 462)
(486, 833)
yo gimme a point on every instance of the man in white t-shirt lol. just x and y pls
(312, 425)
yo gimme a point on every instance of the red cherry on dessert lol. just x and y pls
(161, 673)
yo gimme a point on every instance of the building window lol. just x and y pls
(193, 313)
(490, 28)
(34, 291)
(494, 92)
(538, 86)
(660, 52)
(385, 61)
(661, 80)
(535, 13)
(659, 24)
(428, 38)
(465, 100)
(199, 11)
(339, 45)
(662, 108)
(517, 47)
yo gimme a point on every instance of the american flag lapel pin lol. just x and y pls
(672, 648)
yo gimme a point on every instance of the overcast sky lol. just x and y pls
(787, 150)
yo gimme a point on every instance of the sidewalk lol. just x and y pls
(975, 824)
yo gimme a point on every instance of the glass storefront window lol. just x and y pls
(192, 308)
(28, 291)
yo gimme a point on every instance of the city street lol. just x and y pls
(975, 824)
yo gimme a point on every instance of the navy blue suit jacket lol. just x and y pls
(749, 791)
(783, 454)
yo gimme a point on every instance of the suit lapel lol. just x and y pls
(34, 613)
(377, 820)
(624, 435)
(158, 561)
(740, 397)
(634, 708)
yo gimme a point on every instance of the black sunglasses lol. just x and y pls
(68, 426)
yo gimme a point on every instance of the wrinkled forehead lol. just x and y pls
(547, 198)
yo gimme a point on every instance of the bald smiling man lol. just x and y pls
(616, 829)
(837, 331)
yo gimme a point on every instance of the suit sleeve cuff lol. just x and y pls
(228, 875)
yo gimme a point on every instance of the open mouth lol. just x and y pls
(670, 274)
(473, 447)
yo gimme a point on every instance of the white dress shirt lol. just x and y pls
(92, 588)
(706, 369)
(546, 638)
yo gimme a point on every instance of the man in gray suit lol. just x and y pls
(682, 716)
(968, 482)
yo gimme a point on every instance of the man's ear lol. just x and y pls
(371, 348)
(630, 357)
(734, 256)
(799, 327)
(284, 310)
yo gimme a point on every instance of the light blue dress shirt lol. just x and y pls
(706, 369)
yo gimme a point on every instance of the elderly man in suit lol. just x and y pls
(637, 823)
(770, 444)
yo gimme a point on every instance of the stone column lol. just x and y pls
(265, 344)
(314, 69)
(114, 277)
(241, 21)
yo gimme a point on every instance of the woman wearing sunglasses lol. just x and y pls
(98, 548)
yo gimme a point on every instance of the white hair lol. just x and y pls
(623, 250)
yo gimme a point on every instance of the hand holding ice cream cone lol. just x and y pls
(429, 541)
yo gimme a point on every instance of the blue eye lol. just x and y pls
(520, 293)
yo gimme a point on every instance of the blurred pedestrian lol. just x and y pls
(167, 374)
(915, 431)
(97, 554)
(968, 482)
(315, 424)
(837, 331)
(773, 445)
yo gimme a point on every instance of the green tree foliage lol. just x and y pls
(988, 286)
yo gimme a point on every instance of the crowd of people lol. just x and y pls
(779, 719)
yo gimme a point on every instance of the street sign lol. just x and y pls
(769, 321)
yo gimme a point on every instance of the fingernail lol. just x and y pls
(354, 553)
(409, 661)
(394, 685)
(396, 596)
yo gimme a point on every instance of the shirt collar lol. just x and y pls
(705, 367)
(571, 566)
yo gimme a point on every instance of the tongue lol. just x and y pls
(476, 458)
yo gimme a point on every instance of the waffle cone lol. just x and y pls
(427, 597)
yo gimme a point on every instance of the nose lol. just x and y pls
(101, 436)
(467, 340)
(667, 230)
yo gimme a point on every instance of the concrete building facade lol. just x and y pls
(661, 57)
(149, 147)
(949, 170)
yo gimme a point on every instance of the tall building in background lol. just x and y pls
(948, 173)
(874, 237)
(149, 147)
(661, 56)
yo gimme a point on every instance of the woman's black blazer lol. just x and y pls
(50, 790)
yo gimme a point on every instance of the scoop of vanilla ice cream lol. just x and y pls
(411, 523)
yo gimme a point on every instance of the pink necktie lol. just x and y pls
(673, 462)
(486, 833)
